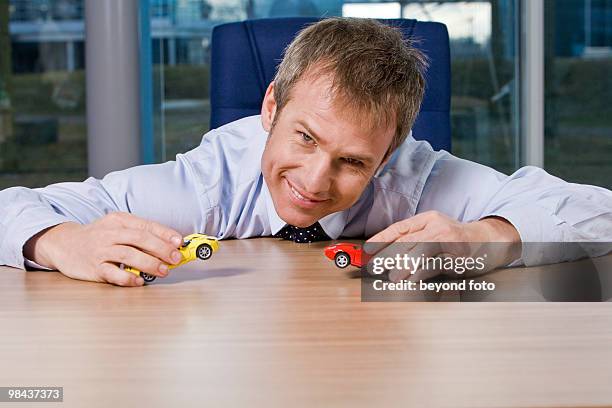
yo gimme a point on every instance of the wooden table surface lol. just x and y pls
(268, 322)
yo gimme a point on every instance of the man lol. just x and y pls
(330, 153)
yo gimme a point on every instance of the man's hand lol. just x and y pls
(434, 227)
(94, 251)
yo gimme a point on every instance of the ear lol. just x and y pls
(268, 108)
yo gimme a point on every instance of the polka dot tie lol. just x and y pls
(303, 235)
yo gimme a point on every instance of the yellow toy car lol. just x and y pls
(194, 246)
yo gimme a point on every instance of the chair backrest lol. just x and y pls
(245, 55)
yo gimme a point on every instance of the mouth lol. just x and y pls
(300, 200)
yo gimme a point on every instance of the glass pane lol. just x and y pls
(42, 92)
(181, 31)
(379, 10)
(578, 132)
(484, 68)
(483, 48)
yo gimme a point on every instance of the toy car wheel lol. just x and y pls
(204, 252)
(342, 260)
(147, 277)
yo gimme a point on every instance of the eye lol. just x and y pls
(307, 139)
(353, 162)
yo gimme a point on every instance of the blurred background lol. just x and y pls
(43, 127)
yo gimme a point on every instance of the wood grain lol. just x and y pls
(268, 322)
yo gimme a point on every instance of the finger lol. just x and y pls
(127, 255)
(131, 221)
(394, 249)
(394, 231)
(418, 236)
(147, 242)
(112, 274)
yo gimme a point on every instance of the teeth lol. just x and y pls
(298, 195)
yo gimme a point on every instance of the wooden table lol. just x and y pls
(268, 322)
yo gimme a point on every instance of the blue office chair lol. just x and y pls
(245, 55)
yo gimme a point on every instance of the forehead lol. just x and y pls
(334, 118)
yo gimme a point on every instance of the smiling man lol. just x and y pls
(319, 157)
(330, 155)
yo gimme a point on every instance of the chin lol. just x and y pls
(298, 219)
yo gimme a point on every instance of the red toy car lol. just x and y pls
(344, 254)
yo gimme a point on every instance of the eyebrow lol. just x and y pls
(365, 159)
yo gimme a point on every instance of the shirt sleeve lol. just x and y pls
(31, 265)
(169, 193)
(542, 207)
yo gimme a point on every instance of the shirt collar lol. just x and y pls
(276, 222)
(333, 224)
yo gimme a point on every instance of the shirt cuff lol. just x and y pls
(17, 238)
(31, 265)
(536, 226)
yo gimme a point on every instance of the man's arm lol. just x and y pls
(463, 201)
(165, 201)
(541, 207)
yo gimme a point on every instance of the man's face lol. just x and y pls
(318, 158)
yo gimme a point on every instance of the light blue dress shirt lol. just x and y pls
(218, 189)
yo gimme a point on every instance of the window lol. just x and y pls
(180, 32)
(42, 79)
(484, 67)
(42, 92)
(578, 91)
(484, 111)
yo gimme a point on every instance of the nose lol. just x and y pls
(318, 179)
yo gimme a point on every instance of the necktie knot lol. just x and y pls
(303, 235)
